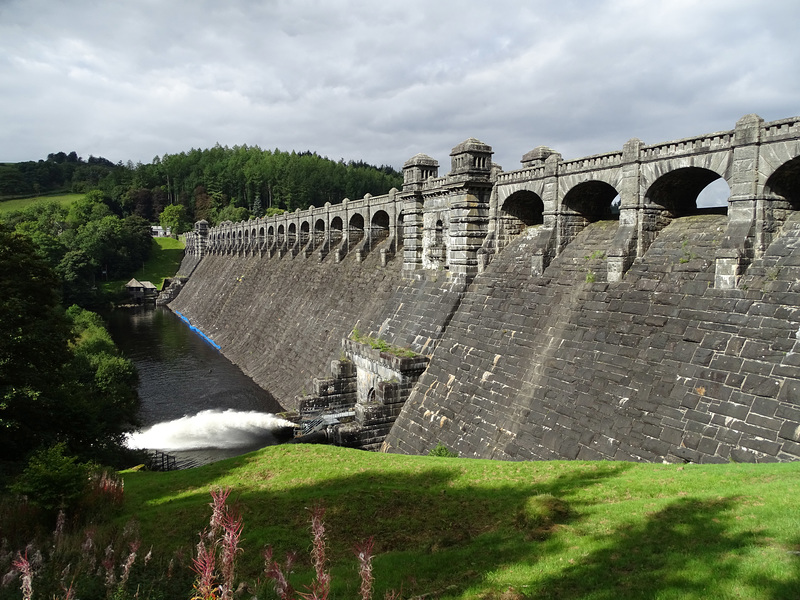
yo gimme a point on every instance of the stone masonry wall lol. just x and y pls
(282, 320)
(658, 367)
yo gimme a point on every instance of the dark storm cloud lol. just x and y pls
(381, 81)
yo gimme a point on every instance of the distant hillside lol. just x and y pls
(213, 184)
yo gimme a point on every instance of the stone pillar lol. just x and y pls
(629, 240)
(469, 217)
(416, 172)
(749, 222)
(546, 244)
(470, 182)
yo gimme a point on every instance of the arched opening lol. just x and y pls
(292, 236)
(678, 192)
(337, 231)
(304, 229)
(270, 235)
(261, 235)
(525, 207)
(319, 232)
(785, 182)
(520, 210)
(591, 200)
(246, 237)
(379, 227)
(355, 230)
(586, 203)
(281, 235)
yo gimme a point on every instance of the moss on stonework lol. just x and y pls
(381, 345)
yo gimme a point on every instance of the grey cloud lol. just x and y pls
(383, 81)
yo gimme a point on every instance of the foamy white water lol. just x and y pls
(209, 429)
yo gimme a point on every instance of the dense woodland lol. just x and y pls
(215, 184)
(61, 376)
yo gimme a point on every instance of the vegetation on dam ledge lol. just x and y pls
(456, 528)
(381, 345)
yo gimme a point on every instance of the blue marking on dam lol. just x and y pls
(197, 331)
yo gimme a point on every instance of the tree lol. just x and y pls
(33, 348)
(233, 213)
(174, 218)
(61, 376)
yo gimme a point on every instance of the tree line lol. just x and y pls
(85, 244)
(214, 184)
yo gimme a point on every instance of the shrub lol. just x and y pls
(53, 480)
(442, 450)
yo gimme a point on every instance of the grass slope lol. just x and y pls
(165, 258)
(7, 206)
(460, 528)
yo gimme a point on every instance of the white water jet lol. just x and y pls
(209, 429)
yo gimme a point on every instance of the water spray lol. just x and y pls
(210, 429)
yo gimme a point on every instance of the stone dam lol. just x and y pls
(570, 309)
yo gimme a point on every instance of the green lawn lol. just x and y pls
(7, 206)
(461, 528)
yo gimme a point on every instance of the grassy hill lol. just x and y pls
(459, 528)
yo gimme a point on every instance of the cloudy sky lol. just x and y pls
(380, 80)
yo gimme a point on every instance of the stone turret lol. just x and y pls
(537, 156)
(471, 157)
(418, 169)
(201, 237)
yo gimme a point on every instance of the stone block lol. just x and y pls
(761, 386)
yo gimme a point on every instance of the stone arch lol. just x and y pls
(281, 238)
(585, 203)
(304, 233)
(676, 192)
(292, 235)
(520, 210)
(270, 235)
(261, 235)
(355, 230)
(336, 230)
(379, 227)
(785, 182)
(319, 232)
(591, 200)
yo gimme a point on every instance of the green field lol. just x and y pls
(460, 528)
(7, 206)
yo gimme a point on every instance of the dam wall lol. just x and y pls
(282, 321)
(659, 367)
(581, 309)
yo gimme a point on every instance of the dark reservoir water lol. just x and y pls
(196, 404)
